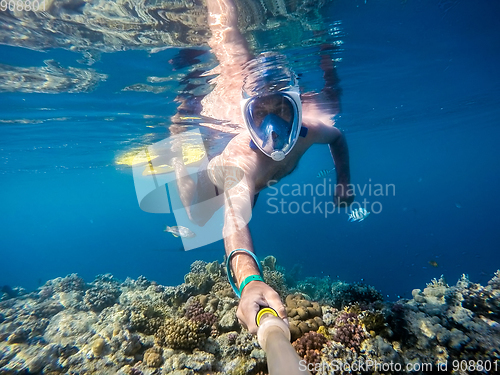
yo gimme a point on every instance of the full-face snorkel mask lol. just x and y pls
(274, 121)
(271, 106)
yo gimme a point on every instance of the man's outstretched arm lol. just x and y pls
(256, 294)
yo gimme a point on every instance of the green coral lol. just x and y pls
(373, 321)
(317, 288)
(147, 318)
(204, 275)
(277, 281)
(201, 281)
(179, 333)
(269, 262)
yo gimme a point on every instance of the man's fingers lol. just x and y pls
(277, 305)
(240, 317)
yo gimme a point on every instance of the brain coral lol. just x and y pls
(304, 315)
(179, 333)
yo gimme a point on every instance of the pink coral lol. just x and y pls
(195, 312)
(309, 346)
(348, 330)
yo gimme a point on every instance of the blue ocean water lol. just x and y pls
(420, 109)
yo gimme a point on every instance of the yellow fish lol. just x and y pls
(433, 263)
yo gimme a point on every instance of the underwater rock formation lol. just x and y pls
(136, 327)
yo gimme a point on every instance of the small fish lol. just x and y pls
(359, 214)
(180, 231)
(324, 172)
(433, 263)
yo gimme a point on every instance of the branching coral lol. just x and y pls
(69, 283)
(309, 346)
(373, 322)
(348, 330)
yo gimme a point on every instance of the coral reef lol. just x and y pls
(304, 315)
(348, 330)
(206, 319)
(7, 292)
(98, 298)
(276, 280)
(179, 333)
(203, 276)
(140, 327)
(345, 294)
(309, 347)
(147, 317)
(317, 289)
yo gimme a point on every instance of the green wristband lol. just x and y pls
(248, 279)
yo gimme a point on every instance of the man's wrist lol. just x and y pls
(243, 265)
(240, 264)
(248, 280)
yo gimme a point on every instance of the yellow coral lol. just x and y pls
(322, 330)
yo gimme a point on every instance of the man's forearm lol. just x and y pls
(242, 264)
(340, 154)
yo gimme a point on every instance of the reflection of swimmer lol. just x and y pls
(260, 100)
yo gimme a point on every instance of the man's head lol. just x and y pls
(268, 72)
(273, 121)
(271, 107)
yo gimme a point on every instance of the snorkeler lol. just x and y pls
(259, 99)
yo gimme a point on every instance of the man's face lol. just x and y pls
(275, 104)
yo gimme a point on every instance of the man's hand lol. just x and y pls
(255, 296)
(344, 196)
